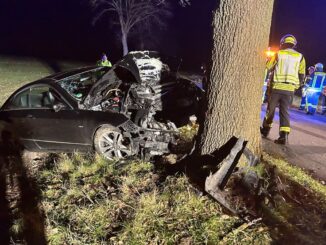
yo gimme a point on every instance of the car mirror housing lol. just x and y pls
(58, 107)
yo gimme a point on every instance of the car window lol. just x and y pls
(35, 97)
(78, 86)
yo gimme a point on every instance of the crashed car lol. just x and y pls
(133, 108)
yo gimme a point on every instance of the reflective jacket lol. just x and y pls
(286, 66)
(316, 82)
(104, 63)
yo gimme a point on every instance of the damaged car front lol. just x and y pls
(148, 92)
(133, 108)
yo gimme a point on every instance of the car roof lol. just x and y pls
(66, 74)
(54, 78)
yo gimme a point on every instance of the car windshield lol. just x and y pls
(79, 85)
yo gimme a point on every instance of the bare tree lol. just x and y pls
(184, 3)
(149, 33)
(130, 14)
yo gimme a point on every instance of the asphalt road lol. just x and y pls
(307, 142)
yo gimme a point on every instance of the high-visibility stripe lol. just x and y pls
(313, 90)
(291, 52)
(285, 129)
(311, 105)
(286, 78)
(283, 86)
(297, 66)
(281, 67)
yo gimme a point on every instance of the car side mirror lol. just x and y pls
(58, 107)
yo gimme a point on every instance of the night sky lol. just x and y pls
(63, 30)
(306, 19)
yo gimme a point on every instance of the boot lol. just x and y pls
(283, 139)
(264, 131)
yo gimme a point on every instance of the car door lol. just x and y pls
(13, 118)
(48, 122)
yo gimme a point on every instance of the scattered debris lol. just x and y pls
(252, 159)
(216, 182)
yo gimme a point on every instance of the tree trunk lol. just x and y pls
(124, 43)
(233, 101)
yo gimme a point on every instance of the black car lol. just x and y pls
(132, 108)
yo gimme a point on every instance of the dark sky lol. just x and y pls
(306, 20)
(62, 29)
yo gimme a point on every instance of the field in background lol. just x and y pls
(14, 72)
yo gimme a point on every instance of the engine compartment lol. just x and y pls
(152, 96)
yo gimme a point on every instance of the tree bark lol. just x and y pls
(124, 43)
(234, 90)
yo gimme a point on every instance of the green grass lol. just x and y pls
(297, 175)
(89, 200)
(15, 72)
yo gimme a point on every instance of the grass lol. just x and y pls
(296, 211)
(89, 200)
(297, 175)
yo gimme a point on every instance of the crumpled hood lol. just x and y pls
(146, 67)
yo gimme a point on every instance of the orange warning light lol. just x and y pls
(270, 53)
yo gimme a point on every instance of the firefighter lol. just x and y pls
(104, 61)
(314, 88)
(311, 70)
(288, 67)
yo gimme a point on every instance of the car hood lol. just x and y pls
(142, 67)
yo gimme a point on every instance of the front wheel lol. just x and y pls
(111, 143)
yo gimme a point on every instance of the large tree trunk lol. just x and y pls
(124, 43)
(241, 34)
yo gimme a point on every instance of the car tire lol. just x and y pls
(110, 142)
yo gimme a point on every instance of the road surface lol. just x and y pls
(307, 142)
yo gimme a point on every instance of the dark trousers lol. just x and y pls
(323, 104)
(283, 99)
(303, 102)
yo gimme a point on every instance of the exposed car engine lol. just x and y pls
(144, 88)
